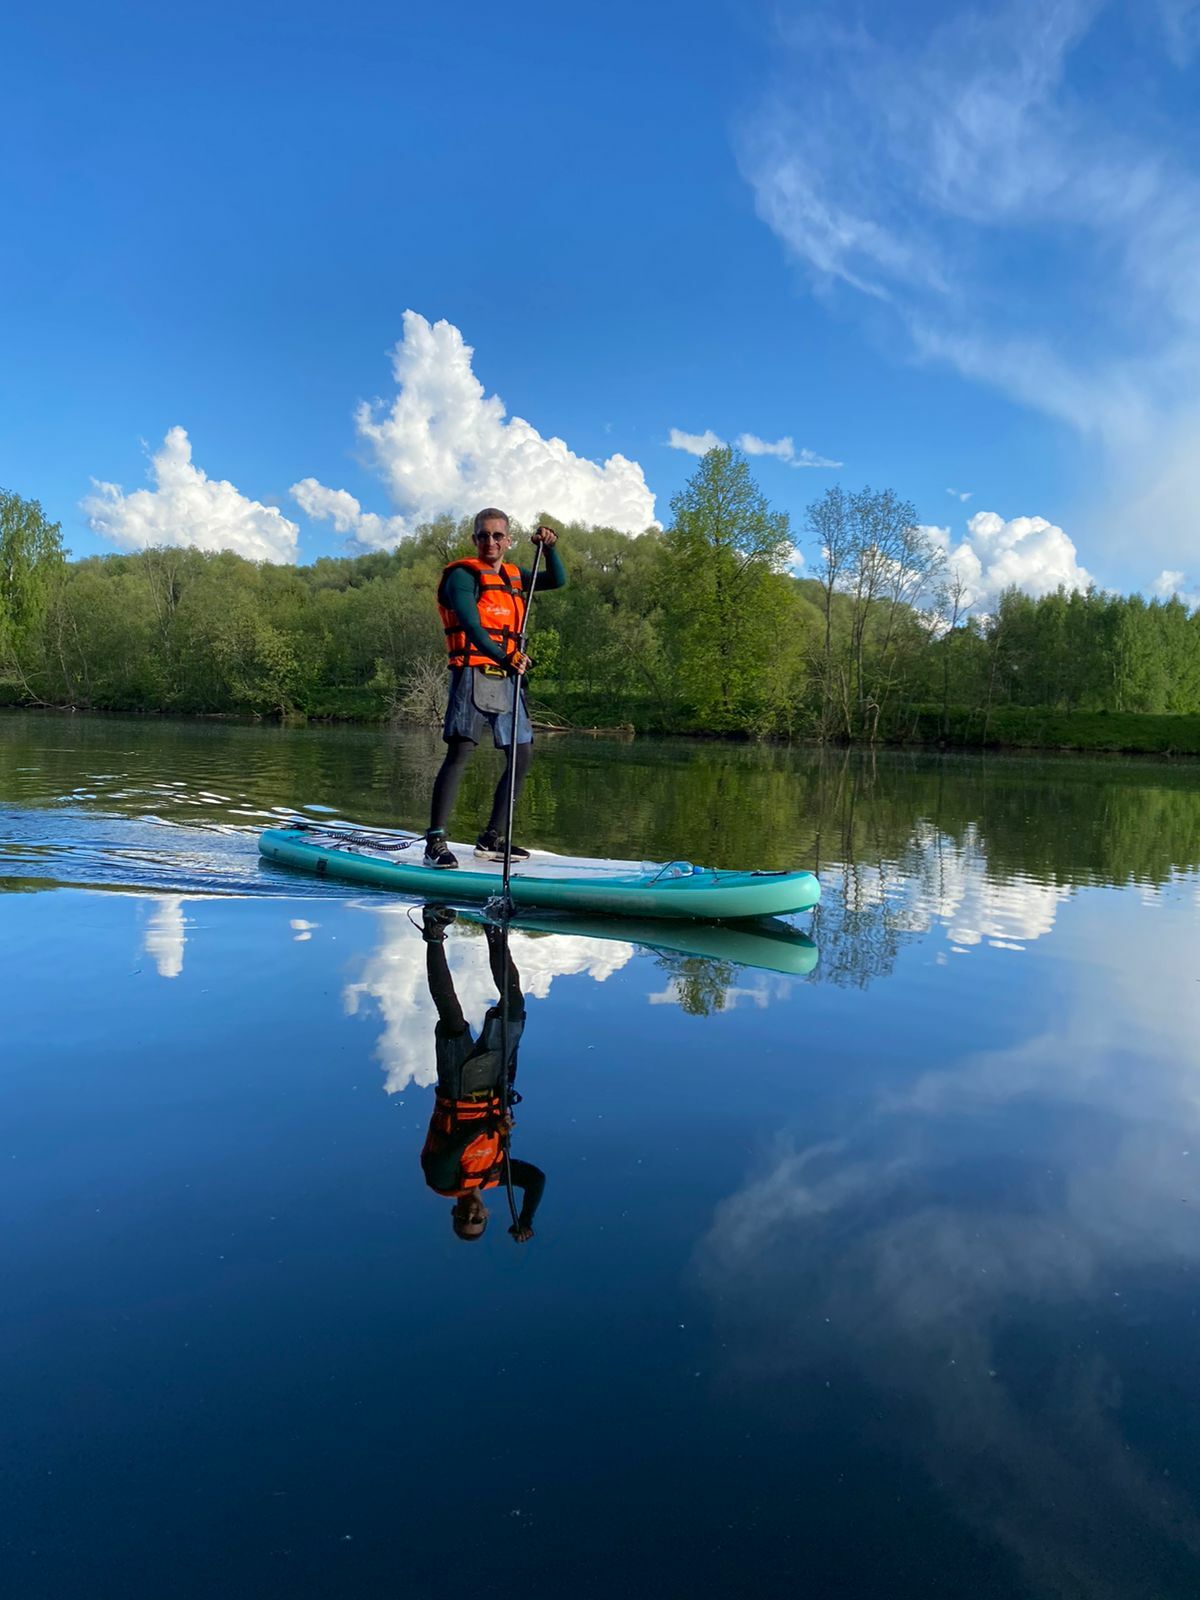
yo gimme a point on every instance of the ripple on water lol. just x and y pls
(107, 831)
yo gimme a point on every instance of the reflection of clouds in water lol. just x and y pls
(946, 882)
(166, 932)
(918, 1300)
(1125, 1037)
(951, 886)
(165, 937)
(948, 1249)
(393, 977)
(541, 959)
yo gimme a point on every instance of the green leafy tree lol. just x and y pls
(31, 561)
(701, 627)
(875, 567)
(728, 608)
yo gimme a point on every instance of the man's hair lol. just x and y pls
(486, 515)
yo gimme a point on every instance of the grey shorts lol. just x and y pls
(466, 1065)
(477, 702)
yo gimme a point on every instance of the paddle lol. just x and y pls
(506, 1136)
(505, 906)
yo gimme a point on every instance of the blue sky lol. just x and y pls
(946, 247)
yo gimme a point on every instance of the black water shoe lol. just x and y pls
(437, 852)
(434, 922)
(490, 845)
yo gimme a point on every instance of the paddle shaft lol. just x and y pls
(512, 743)
(508, 1099)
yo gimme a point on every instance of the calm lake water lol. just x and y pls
(877, 1279)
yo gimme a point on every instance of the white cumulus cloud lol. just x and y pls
(341, 508)
(784, 449)
(1028, 553)
(442, 445)
(1170, 583)
(187, 507)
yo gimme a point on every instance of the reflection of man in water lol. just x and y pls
(467, 1145)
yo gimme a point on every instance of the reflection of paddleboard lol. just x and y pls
(770, 944)
(617, 888)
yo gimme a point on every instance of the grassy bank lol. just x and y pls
(1007, 728)
(1028, 728)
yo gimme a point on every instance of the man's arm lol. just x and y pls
(533, 1181)
(553, 574)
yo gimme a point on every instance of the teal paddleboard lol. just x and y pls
(768, 943)
(569, 883)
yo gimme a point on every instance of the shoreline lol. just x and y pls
(1163, 736)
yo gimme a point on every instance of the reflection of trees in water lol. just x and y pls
(869, 912)
(699, 984)
(986, 847)
(858, 942)
(1061, 821)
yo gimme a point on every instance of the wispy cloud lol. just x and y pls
(696, 444)
(961, 495)
(784, 449)
(1180, 22)
(1025, 229)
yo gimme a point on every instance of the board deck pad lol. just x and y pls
(581, 883)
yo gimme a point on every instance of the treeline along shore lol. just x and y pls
(702, 628)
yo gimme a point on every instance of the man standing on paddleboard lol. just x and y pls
(482, 600)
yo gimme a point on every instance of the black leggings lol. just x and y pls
(441, 984)
(445, 785)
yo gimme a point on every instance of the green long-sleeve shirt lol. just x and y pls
(459, 592)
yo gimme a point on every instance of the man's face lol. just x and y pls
(492, 539)
(470, 1216)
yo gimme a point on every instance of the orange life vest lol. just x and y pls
(481, 1163)
(501, 602)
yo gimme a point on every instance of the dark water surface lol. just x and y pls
(879, 1281)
